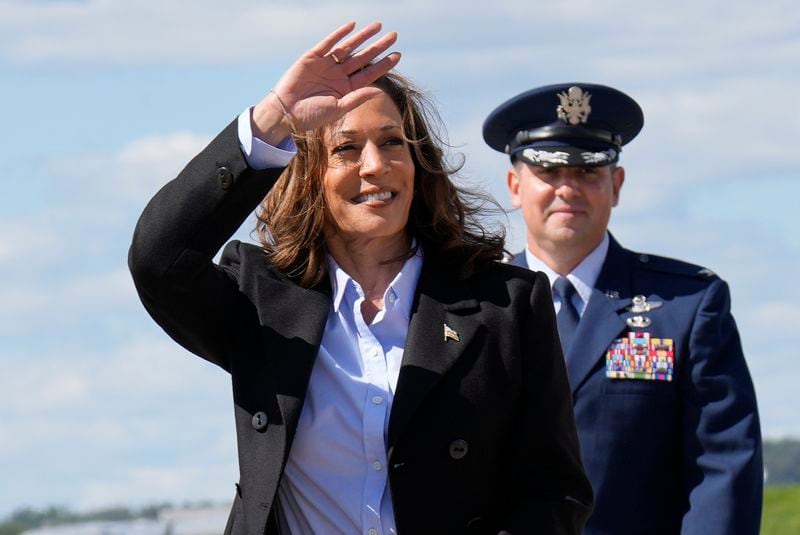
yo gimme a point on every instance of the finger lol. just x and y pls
(365, 56)
(326, 44)
(354, 99)
(343, 50)
(372, 72)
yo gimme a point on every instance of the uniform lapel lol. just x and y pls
(442, 304)
(601, 322)
(519, 260)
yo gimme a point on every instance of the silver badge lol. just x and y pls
(640, 305)
(545, 156)
(605, 156)
(638, 322)
(574, 107)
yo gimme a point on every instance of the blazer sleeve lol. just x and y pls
(557, 494)
(722, 458)
(171, 257)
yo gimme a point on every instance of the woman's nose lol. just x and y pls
(373, 161)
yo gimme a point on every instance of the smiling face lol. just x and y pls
(369, 181)
(566, 209)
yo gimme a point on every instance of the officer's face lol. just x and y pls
(565, 207)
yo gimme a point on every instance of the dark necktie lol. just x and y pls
(567, 317)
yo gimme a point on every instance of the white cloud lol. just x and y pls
(75, 378)
(179, 31)
(147, 485)
(22, 240)
(768, 315)
(134, 172)
(138, 423)
(64, 301)
(164, 32)
(721, 125)
(104, 289)
(156, 368)
(20, 307)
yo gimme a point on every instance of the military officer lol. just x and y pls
(665, 406)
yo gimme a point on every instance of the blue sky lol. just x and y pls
(102, 101)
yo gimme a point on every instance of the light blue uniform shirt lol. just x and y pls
(583, 277)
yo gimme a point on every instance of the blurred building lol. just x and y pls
(199, 521)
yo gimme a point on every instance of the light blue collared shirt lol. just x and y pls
(260, 155)
(583, 277)
(336, 477)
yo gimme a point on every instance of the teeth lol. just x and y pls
(382, 196)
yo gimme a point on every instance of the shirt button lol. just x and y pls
(373, 352)
(377, 466)
(372, 531)
(392, 298)
(377, 400)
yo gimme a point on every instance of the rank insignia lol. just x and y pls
(546, 156)
(638, 356)
(574, 108)
(603, 157)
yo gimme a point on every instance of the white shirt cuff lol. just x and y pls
(258, 154)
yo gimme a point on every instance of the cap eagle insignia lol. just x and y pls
(574, 108)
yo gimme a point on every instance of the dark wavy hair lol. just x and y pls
(444, 218)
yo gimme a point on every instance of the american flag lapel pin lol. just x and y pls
(450, 334)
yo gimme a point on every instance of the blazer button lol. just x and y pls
(458, 449)
(225, 177)
(260, 421)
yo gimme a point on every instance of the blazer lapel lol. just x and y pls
(300, 334)
(292, 322)
(601, 322)
(441, 328)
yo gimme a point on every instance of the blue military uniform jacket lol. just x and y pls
(665, 456)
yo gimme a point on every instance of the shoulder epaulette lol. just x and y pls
(671, 265)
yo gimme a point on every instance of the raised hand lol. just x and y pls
(326, 82)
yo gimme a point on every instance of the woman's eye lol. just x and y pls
(394, 141)
(343, 148)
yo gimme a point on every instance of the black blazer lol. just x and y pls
(501, 388)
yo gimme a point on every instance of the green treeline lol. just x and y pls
(25, 519)
(782, 461)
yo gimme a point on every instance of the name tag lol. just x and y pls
(638, 356)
